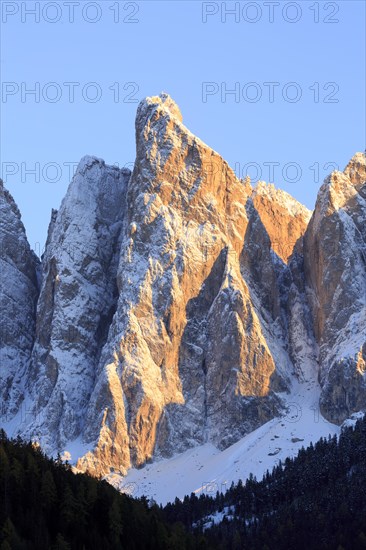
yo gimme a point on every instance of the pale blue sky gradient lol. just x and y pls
(170, 49)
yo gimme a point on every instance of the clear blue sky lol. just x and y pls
(176, 47)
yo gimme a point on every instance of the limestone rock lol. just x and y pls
(335, 272)
(77, 301)
(170, 377)
(284, 218)
(177, 304)
(19, 268)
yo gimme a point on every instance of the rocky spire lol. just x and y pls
(335, 272)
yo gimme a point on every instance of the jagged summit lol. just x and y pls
(283, 198)
(284, 218)
(178, 306)
(356, 169)
(164, 102)
(160, 118)
(87, 162)
(341, 189)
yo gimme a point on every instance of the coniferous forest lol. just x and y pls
(316, 501)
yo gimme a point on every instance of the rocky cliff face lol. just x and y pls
(186, 359)
(335, 274)
(77, 301)
(284, 218)
(177, 304)
(18, 296)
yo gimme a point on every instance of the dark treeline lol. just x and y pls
(316, 501)
(43, 505)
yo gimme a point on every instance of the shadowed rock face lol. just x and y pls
(18, 297)
(176, 302)
(77, 300)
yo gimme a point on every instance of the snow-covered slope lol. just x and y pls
(206, 469)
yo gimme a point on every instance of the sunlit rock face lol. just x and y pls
(177, 304)
(335, 272)
(284, 218)
(187, 359)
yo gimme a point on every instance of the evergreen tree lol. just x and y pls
(60, 543)
(48, 491)
(115, 521)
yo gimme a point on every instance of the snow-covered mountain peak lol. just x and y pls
(179, 307)
(162, 102)
(284, 218)
(356, 169)
(341, 190)
(282, 198)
